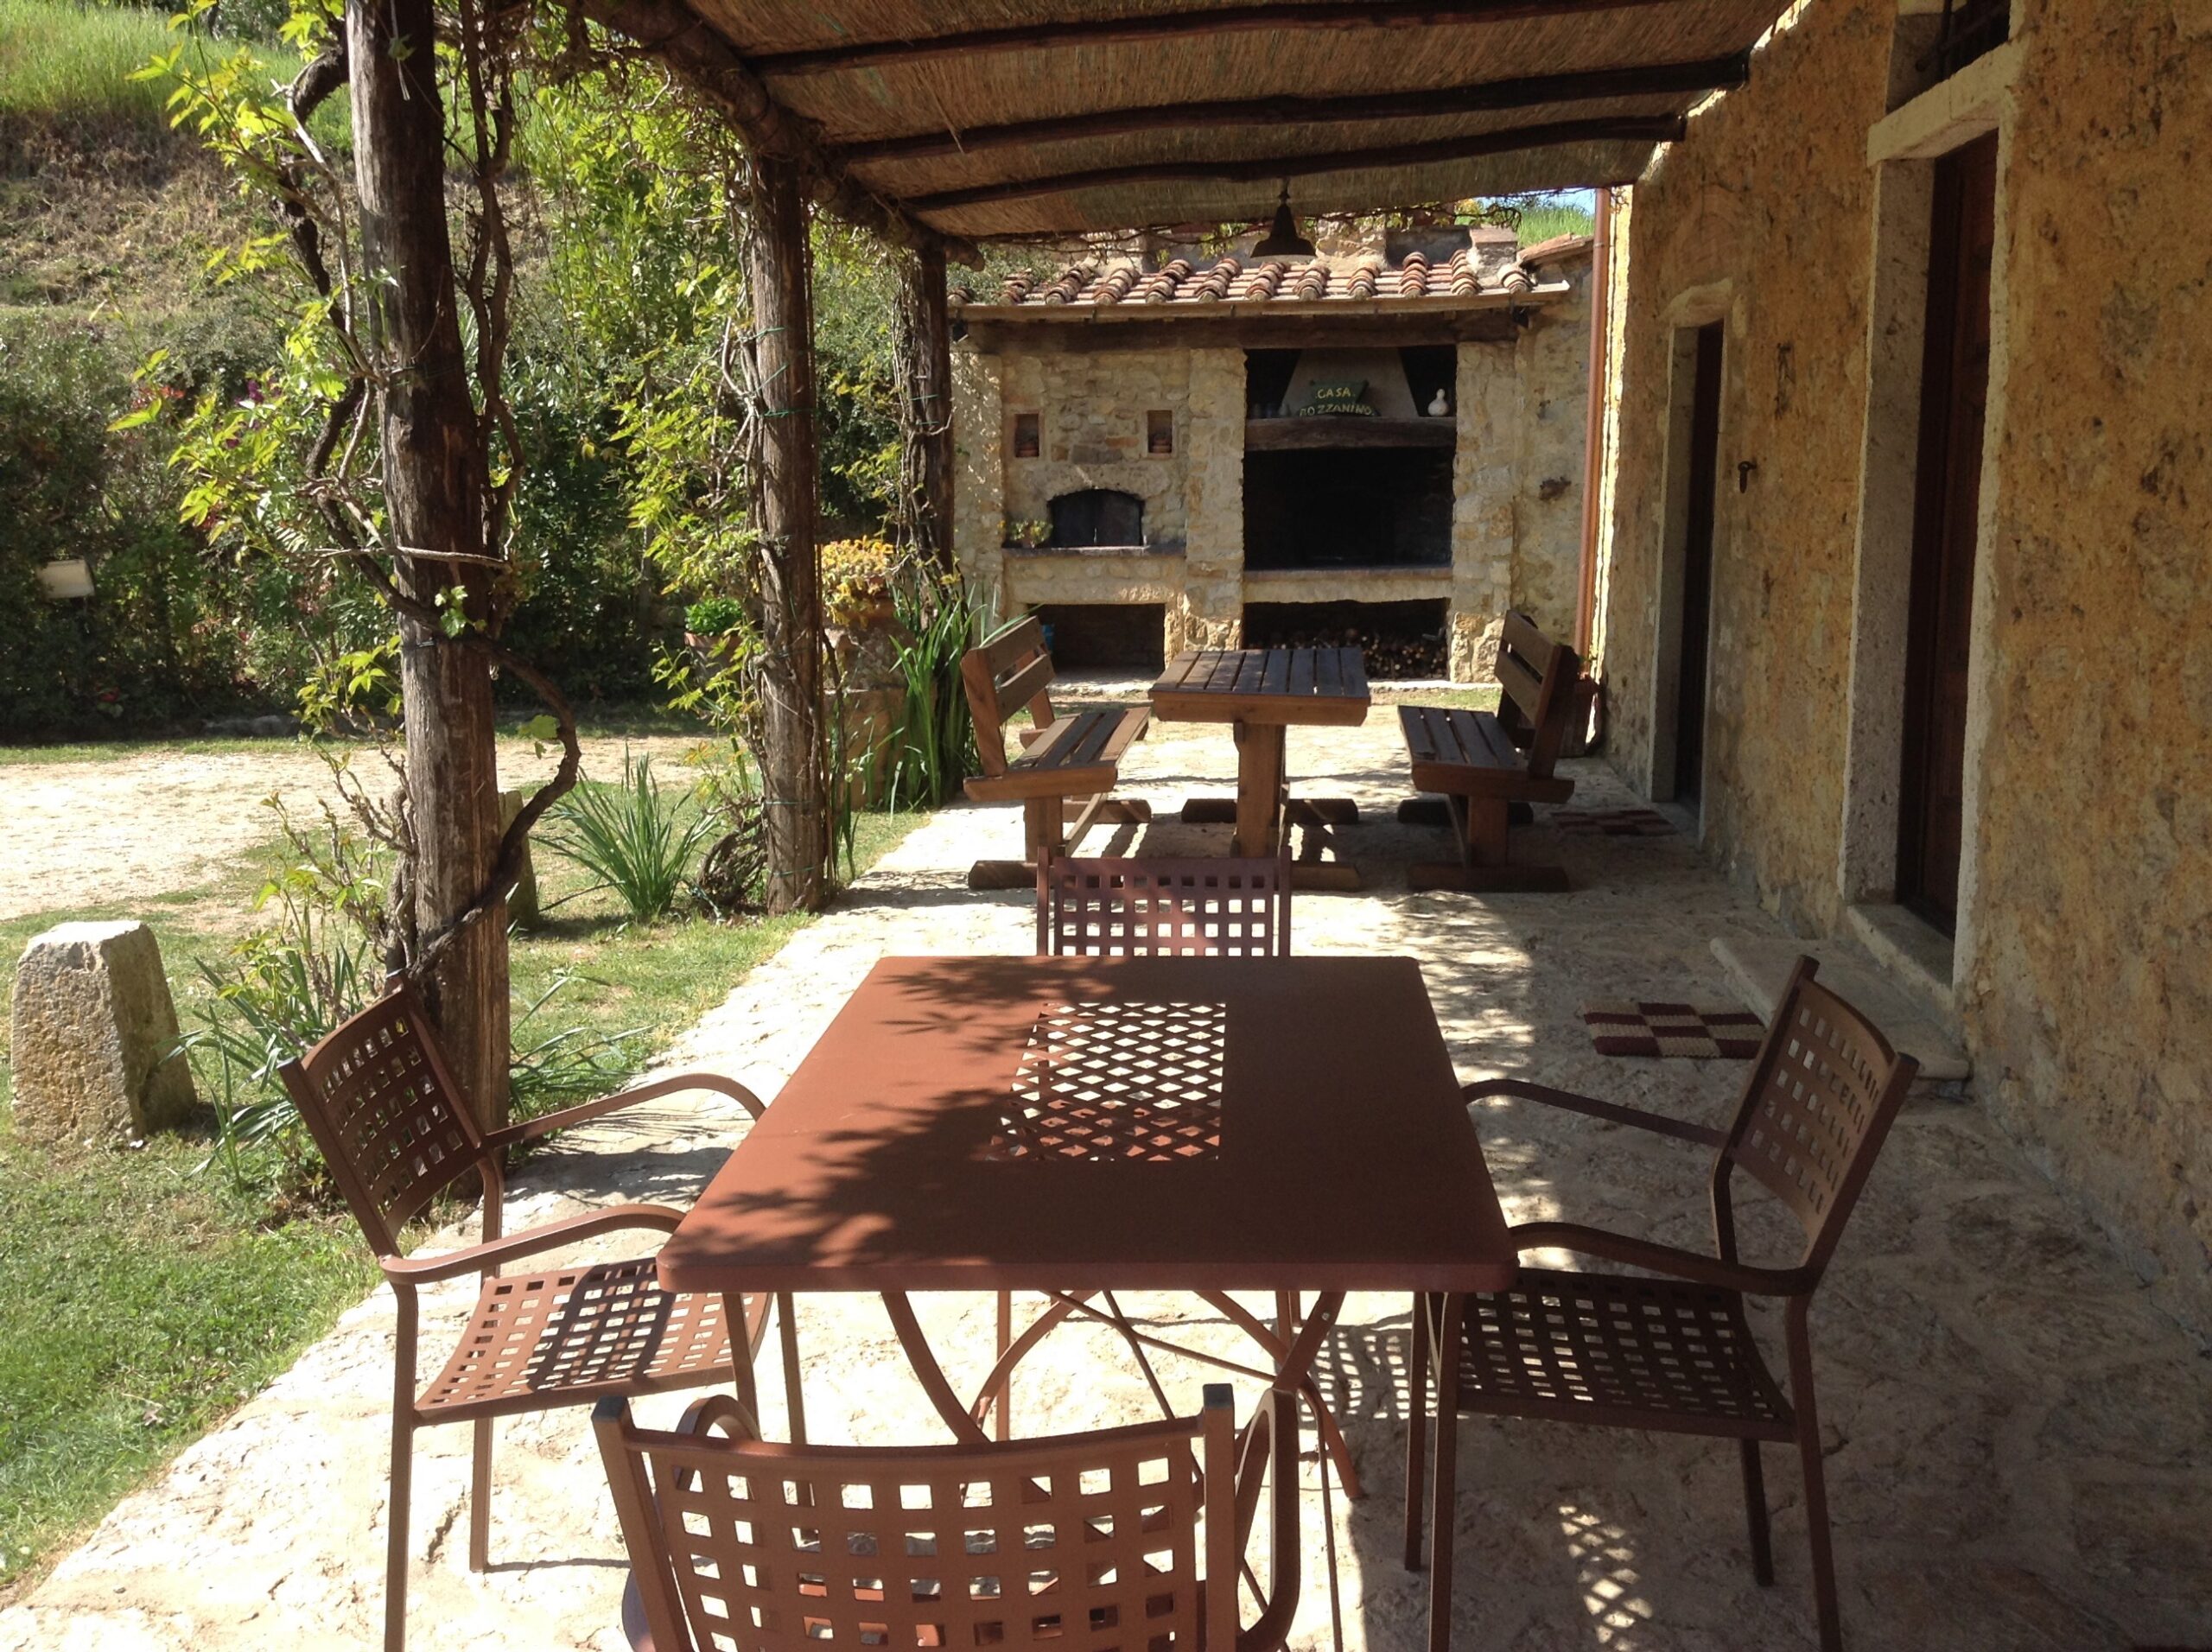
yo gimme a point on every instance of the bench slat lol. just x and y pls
(1514, 679)
(1467, 754)
(1024, 686)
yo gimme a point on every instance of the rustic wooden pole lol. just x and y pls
(435, 485)
(925, 355)
(793, 777)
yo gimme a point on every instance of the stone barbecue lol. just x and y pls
(1381, 446)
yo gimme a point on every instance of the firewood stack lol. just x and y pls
(1393, 653)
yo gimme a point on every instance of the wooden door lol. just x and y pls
(1953, 408)
(1697, 567)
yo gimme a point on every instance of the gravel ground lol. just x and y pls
(86, 834)
(2019, 1445)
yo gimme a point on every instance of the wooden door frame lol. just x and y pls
(1685, 319)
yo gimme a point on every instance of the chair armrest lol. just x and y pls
(549, 1236)
(569, 1118)
(1568, 1101)
(1663, 1259)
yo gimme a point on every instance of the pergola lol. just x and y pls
(941, 124)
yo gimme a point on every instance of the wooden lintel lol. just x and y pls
(700, 57)
(1087, 31)
(1524, 92)
(1334, 434)
(1644, 129)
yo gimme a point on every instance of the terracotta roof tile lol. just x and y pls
(1181, 283)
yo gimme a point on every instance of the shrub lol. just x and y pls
(316, 962)
(159, 635)
(930, 749)
(637, 839)
(714, 616)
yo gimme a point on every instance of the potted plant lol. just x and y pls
(1027, 533)
(856, 577)
(709, 622)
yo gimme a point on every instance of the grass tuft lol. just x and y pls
(69, 66)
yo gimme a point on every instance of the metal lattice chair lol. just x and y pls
(392, 1125)
(1670, 1348)
(1218, 907)
(1091, 1540)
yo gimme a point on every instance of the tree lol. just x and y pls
(408, 477)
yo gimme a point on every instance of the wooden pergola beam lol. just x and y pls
(1100, 31)
(710, 64)
(1711, 74)
(1654, 129)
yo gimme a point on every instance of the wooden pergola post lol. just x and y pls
(793, 764)
(435, 487)
(925, 355)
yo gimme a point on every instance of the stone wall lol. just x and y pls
(1091, 414)
(1516, 482)
(2081, 980)
(1552, 373)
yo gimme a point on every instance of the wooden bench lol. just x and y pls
(1072, 758)
(1486, 765)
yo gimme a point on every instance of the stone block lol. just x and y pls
(95, 1037)
(521, 899)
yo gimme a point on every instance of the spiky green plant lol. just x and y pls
(634, 837)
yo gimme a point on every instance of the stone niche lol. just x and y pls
(95, 1037)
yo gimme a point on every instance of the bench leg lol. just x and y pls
(1480, 831)
(1436, 811)
(1045, 830)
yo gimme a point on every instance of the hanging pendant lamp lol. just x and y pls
(1283, 240)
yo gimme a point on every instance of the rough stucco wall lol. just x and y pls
(1759, 219)
(2090, 1004)
(1552, 362)
(2087, 996)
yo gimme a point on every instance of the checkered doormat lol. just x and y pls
(1697, 1031)
(1612, 822)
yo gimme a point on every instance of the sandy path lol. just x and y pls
(78, 835)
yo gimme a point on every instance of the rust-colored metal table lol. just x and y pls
(1077, 1126)
(1262, 691)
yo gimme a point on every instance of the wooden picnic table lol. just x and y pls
(1262, 691)
(1077, 1126)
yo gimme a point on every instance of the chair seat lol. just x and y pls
(580, 1333)
(1620, 1350)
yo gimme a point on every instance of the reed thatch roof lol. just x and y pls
(982, 119)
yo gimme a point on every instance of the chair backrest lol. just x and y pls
(1082, 1541)
(1539, 680)
(1008, 669)
(1820, 1100)
(394, 1127)
(1218, 907)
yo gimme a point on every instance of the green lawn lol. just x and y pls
(140, 1301)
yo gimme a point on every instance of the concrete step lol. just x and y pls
(1760, 970)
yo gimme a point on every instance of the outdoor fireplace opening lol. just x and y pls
(1401, 640)
(1097, 518)
(1120, 637)
(1348, 507)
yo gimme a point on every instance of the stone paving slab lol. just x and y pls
(2020, 1444)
